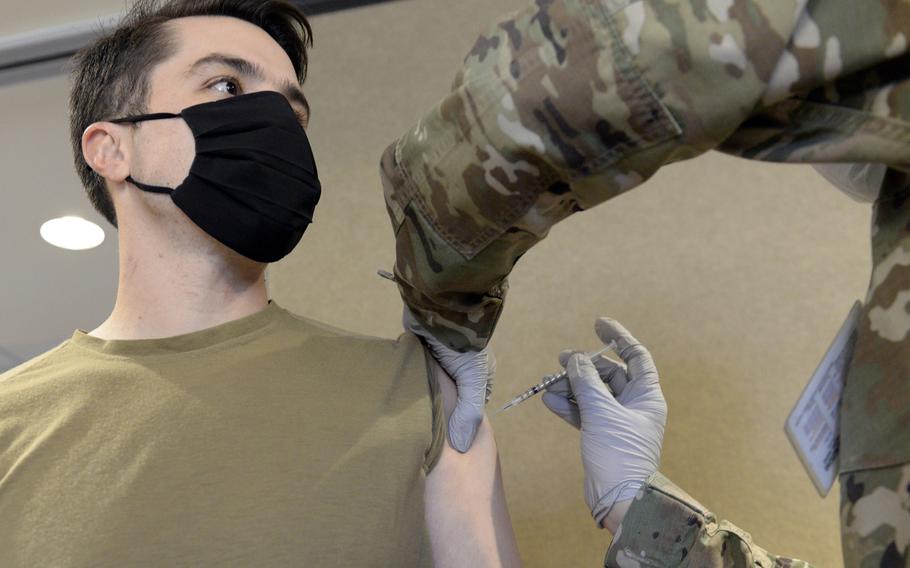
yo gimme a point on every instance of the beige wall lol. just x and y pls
(736, 274)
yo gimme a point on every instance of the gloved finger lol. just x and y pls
(561, 388)
(565, 354)
(612, 373)
(608, 329)
(463, 424)
(637, 358)
(606, 367)
(646, 397)
(561, 407)
(590, 391)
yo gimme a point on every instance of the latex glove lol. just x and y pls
(621, 430)
(473, 375)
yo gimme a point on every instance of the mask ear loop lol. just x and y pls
(140, 118)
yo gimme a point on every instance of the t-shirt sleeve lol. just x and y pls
(439, 417)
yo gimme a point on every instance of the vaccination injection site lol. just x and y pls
(455, 283)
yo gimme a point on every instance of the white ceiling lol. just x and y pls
(19, 17)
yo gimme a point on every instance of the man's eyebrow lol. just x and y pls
(251, 70)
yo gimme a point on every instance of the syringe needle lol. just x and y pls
(547, 381)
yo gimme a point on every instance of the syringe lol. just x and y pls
(547, 381)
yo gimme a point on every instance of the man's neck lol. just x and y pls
(162, 295)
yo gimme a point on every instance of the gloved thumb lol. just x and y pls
(589, 389)
(463, 424)
(560, 406)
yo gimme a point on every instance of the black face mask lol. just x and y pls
(253, 184)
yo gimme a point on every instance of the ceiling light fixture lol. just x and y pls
(72, 233)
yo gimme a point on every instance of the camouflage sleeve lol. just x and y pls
(568, 103)
(875, 407)
(666, 527)
(875, 516)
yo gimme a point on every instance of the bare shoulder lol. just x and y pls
(466, 511)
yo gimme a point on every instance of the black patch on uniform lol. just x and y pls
(855, 490)
(679, 538)
(655, 535)
(515, 69)
(892, 178)
(892, 558)
(691, 520)
(685, 552)
(559, 188)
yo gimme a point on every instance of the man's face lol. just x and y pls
(216, 57)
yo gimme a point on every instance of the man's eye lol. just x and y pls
(227, 86)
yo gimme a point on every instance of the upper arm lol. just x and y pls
(466, 512)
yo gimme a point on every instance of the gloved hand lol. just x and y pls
(621, 431)
(473, 375)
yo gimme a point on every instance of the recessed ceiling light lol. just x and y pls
(73, 233)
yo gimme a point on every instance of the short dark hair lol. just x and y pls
(110, 75)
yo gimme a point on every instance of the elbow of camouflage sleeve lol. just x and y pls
(458, 299)
(465, 322)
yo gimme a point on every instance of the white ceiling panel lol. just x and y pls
(18, 17)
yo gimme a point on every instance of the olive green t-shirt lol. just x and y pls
(270, 440)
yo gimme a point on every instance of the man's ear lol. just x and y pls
(106, 149)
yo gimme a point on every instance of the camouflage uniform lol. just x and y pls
(567, 103)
